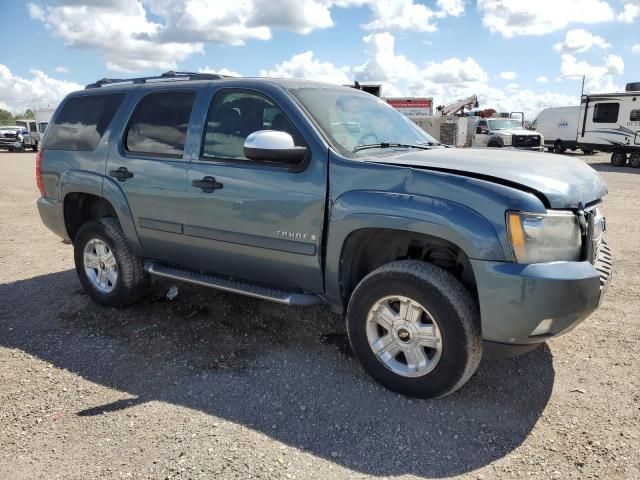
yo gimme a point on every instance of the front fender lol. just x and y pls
(444, 219)
(82, 181)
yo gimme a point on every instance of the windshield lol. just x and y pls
(350, 119)
(504, 124)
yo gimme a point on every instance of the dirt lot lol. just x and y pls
(213, 385)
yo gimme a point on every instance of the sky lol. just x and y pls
(516, 55)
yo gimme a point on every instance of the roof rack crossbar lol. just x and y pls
(170, 75)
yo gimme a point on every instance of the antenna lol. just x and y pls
(582, 90)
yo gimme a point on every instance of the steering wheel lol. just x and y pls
(361, 140)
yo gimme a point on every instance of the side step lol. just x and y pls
(242, 288)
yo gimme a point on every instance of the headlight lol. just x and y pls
(544, 237)
(506, 139)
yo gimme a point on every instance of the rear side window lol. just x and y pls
(82, 122)
(606, 112)
(159, 124)
(634, 116)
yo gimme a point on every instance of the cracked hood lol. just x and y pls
(564, 182)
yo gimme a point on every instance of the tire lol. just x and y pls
(558, 148)
(494, 144)
(450, 312)
(34, 147)
(634, 160)
(550, 149)
(618, 159)
(130, 282)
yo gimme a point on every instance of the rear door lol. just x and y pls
(149, 165)
(264, 221)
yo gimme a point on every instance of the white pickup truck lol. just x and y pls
(502, 132)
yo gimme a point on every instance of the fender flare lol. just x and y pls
(450, 221)
(80, 181)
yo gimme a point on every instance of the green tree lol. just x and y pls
(6, 117)
(28, 113)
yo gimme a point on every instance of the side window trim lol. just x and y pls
(245, 161)
(151, 155)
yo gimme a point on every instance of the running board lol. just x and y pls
(233, 286)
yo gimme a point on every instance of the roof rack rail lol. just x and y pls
(166, 76)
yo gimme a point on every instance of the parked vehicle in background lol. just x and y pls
(610, 122)
(42, 117)
(559, 127)
(306, 193)
(17, 138)
(502, 132)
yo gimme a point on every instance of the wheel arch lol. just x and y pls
(85, 196)
(435, 230)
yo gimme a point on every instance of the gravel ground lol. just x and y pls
(213, 385)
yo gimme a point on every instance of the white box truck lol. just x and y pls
(559, 127)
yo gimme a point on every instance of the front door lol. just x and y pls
(255, 220)
(481, 135)
(149, 165)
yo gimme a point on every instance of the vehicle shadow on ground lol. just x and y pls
(605, 166)
(286, 373)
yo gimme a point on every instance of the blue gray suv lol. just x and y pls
(305, 193)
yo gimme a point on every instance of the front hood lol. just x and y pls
(564, 182)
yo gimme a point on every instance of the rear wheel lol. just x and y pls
(107, 269)
(634, 160)
(618, 159)
(415, 329)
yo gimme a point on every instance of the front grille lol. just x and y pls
(526, 141)
(10, 135)
(598, 252)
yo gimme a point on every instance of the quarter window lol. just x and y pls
(82, 122)
(634, 116)
(159, 124)
(606, 112)
(234, 115)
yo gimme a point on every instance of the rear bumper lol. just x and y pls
(515, 299)
(52, 215)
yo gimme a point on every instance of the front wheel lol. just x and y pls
(558, 148)
(107, 269)
(415, 329)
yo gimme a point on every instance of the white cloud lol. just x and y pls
(542, 79)
(222, 71)
(121, 31)
(630, 12)
(303, 65)
(508, 75)
(636, 48)
(598, 78)
(512, 18)
(453, 8)
(455, 71)
(62, 69)
(401, 15)
(579, 40)
(19, 93)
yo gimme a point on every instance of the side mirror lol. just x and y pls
(273, 146)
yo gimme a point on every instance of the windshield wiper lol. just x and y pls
(425, 146)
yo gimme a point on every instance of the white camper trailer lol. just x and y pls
(559, 127)
(610, 122)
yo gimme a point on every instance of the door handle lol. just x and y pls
(207, 184)
(121, 174)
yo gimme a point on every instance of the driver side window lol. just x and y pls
(234, 115)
